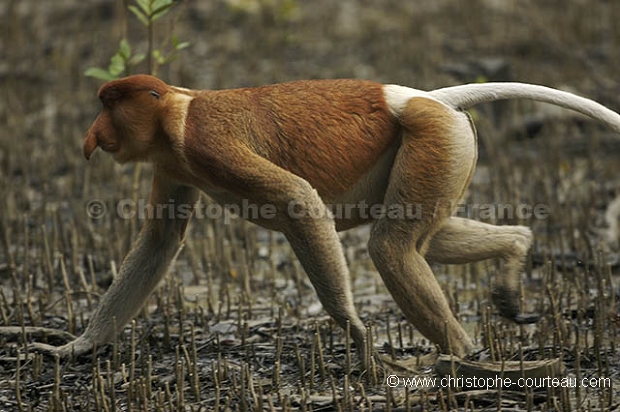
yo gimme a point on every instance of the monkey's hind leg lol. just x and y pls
(464, 241)
(431, 170)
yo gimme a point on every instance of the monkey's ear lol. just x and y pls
(154, 94)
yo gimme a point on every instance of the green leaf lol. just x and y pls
(99, 73)
(117, 65)
(145, 5)
(141, 16)
(160, 12)
(159, 57)
(156, 4)
(124, 49)
(177, 45)
(136, 58)
(182, 45)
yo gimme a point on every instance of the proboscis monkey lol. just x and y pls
(299, 147)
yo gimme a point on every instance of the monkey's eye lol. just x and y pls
(154, 94)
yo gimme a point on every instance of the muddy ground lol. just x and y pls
(236, 324)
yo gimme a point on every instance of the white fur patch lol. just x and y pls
(177, 105)
(397, 97)
(183, 90)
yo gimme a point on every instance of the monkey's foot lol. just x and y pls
(78, 346)
(507, 304)
(456, 367)
(414, 364)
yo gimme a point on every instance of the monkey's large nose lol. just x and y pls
(90, 144)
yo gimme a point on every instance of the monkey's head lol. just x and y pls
(129, 125)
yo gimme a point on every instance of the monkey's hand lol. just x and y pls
(78, 346)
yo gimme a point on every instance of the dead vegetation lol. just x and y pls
(236, 324)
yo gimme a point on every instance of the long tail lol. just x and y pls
(468, 95)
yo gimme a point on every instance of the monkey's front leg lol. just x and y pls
(317, 246)
(145, 265)
(304, 220)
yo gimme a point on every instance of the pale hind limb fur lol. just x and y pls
(465, 241)
(432, 168)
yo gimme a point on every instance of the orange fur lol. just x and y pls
(311, 144)
(305, 127)
(307, 142)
